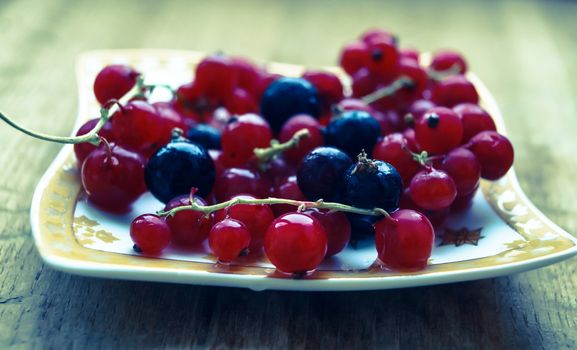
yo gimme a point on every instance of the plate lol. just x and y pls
(502, 233)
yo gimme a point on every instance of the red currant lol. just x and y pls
(305, 145)
(464, 168)
(393, 149)
(288, 190)
(404, 241)
(419, 107)
(464, 202)
(242, 135)
(354, 56)
(240, 101)
(409, 54)
(256, 217)
(411, 138)
(454, 90)
(495, 153)
(249, 75)
(113, 177)
(169, 118)
(475, 119)
(447, 59)
(411, 69)
(328, 85)
(235, 181)
(390, 121)
(375, 34)
(216, 77)
(228, 238)
(188, 227)
(295, 243)
(433, 189)
(337, 228)
(384, 58)
(436, 217)
(193, 104)
(363, 83)
(276, 170)
(113, 82)
(136, 126)
(150, 233)
(439, 130)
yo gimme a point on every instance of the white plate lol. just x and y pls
(73, 236)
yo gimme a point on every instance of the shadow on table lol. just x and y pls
(108, 313)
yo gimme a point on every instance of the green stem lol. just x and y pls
(439, 75)
(266, 154)
(423, 158)
(92, 136)
(388, 90)
(302, 205)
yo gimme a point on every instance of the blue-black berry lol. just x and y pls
(372, 184)
(204, 135)
(286, 97)
(353, 132)
(178, 167)
(321, 172)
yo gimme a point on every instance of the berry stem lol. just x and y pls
(421, 158)
(92, 136)
(266, 154)
(151, 87)
(144, 89)
(207, 209)
(424, 159)
(388, 90)
(108, 150)
(439, 75)
(176, 134)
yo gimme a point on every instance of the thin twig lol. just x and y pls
(320, 204)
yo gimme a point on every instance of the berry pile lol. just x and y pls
(293, 167)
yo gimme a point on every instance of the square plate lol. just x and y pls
(502, 233)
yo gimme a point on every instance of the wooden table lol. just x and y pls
(525, 52)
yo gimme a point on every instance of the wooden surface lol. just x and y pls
(526, 53)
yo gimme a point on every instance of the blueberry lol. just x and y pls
(353, 132)
(286, 97)
(178, 167)
(205, 135)
(320, 173)
(372, 184)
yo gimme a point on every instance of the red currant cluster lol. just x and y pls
(211, 155)
(221, 81)
(436, 112)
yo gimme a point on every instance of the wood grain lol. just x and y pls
(525, 52)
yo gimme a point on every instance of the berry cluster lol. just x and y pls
(292, 166)
(432, 129)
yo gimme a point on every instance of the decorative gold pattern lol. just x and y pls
(461, 236)
(56, 227)
(85, 229)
